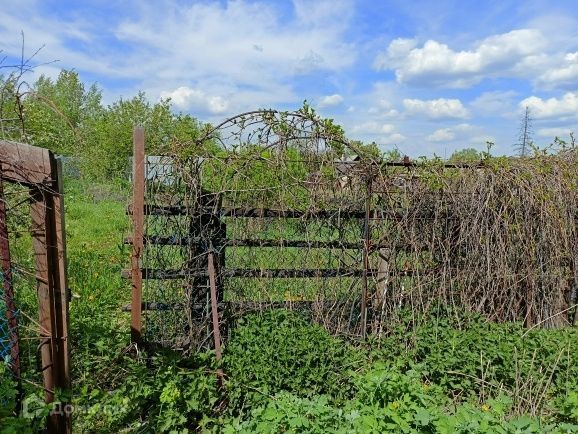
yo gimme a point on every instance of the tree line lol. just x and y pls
(69, 118)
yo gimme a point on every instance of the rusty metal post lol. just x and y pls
(366, 247)
(214, 305)
(8, 290)
(138, 231)
(215, 312)
(62, 291)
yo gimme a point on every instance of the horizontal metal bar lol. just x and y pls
(283, 273)
(405, 162)
(345, 214)
(408, 163)
(170, 210)
(244, 304)
(310, 244)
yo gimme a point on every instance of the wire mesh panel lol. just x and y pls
(9, 338)
(294, 216)
(271, 196)
(21, 335)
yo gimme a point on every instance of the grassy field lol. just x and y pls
(452, 373)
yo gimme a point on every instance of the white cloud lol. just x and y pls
(392, 139)
(331, 100)
(436, 108)
(381, 100)
(196, 42)
(387, 113)
(566, 106)
(246, 51)
(437, 63)
(375, 131)
(556, 132)
(565, 75)
(383, 108)
(186, 98)
(482, 139)
(464, 134)
(373, 127)
(495, 102)
(308, 63)
(441, 135)
(325, 12)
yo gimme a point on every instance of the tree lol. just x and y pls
(10, 119)
(56, 113)
(111, 133)
(392, 155)
(466, 155)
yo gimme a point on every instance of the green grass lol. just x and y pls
(95, 217)
(96, 224)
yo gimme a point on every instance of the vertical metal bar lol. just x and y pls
(8, 290)
(61, 293)
(214, 305)
(366, 246)
(138, 231)
(215, 312)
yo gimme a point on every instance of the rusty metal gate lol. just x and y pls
(272, 209)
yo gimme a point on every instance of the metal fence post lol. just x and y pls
(138, 231)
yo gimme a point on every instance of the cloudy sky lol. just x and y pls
(422, 76)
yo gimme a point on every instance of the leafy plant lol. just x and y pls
(164, 396)
(472, 358)
(280, 350)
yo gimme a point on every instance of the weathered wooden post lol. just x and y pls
(51, 282)
(38, 170)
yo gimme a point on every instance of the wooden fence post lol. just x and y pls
(63, 294)
(48, 243)
(38, 169)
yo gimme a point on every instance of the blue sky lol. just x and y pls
(422, 76)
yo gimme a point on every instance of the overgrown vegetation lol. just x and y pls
(449, 372)
(438, 371)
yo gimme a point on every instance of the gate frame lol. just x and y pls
(40, 171)
(138, 209)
